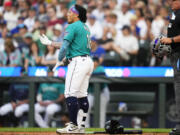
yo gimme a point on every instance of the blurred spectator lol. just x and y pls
(50, 56)
(98, 51)
(42, 15)
(18, 93)
(141, 30)
(128, 47)
(109, 28)
(104, 97)
(49, 97)
(3, 33)
(51, 12)
(98, 12)
(147, 19)
(10, 14)
(42, 30)
(11, 56)
(30, 21)
(95, 27)
(124, 14)
(57, 33)
(19, 33)
(33, 58)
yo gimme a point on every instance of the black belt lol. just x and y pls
(85, 55)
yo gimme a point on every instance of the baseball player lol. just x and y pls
(76, 47)
(49, 97)
(18, 93)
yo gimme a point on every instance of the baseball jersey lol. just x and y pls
(78, 35)
(50, 91)
(18, 91)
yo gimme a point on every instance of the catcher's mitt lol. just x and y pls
(159, 49)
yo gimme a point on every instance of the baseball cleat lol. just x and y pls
(70, 128)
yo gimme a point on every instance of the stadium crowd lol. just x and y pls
(122, 29)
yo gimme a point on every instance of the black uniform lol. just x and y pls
(174, 30)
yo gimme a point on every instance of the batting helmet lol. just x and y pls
(113, 127)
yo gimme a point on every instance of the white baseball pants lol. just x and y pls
(18, 112)
(78, 75)
(49, 110)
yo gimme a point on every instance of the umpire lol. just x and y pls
(173, 39)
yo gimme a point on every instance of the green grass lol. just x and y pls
(145, 130)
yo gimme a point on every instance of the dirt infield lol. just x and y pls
(53, 133)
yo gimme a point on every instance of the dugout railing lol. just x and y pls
(97, 80)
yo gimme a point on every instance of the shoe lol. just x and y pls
(81, 130)
(70, 128)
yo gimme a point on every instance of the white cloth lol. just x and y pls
(127, 43)
(12, 19)
(49, 110)
(104, 100)
(124, 19)
(18, 112)
(29, 22)
(157, 26)
(50, 57)
(96, 30)
(78, 75)
(143, 27)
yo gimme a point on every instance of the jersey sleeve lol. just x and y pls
(69, 33)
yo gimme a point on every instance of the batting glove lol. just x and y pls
(44, 40)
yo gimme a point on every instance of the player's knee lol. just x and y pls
(50, 112)
(37, 110)
(2, 112)
(83, 104)
(18, 113)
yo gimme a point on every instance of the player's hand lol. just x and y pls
(165, 40)
(45, 40)
(59, 63)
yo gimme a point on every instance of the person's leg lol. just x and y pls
(82, 94)
(21, 109)
(70, 92)
(5, 109)
(175, 62)
(91, 103)
(71, 98)
(38, 118)
(50, 111)
(105, 95)
(78, 69)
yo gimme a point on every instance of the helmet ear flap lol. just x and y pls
(113, 127)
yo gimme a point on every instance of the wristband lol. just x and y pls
(172, 40)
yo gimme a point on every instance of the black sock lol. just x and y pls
(84, 105)
(72, 105)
